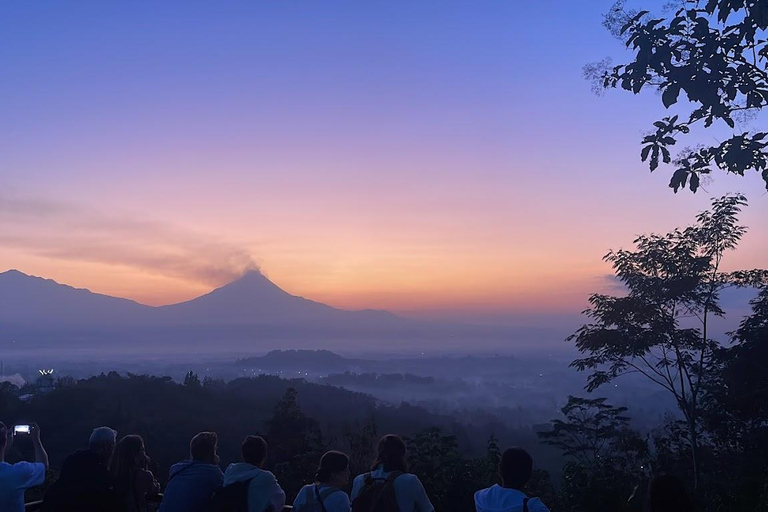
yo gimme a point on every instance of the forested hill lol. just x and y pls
(299, 419)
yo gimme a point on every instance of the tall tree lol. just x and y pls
(590, 427)
(604, 456)
(736, 415)
(436, 459)
(661, 327)
(360, 441)
(295, 443)
(714, 52)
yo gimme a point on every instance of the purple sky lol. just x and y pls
(433, 158)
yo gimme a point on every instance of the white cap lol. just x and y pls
(102, 435)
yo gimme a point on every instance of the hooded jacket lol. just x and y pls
(191, 484)
(501, 499)
(263, 490)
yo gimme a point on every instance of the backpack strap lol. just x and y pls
(319, 498)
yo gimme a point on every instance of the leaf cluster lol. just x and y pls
(715, 53)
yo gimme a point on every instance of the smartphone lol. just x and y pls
(21, 429)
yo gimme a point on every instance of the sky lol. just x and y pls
(436, 159)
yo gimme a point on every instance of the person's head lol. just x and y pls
(391, 454)
(515, 468)
(102, 442)
(129, 455)
(204, 447)
(667, 493)
(254, 450)
(334, 469)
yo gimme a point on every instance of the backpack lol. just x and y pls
(232, 497)
(315, 499)
(377, 494)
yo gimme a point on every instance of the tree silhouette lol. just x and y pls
(590, 426)
(361, 443)
(713, 52)
(295, 444)
(736, 415)
(660, 328)
(192, 380)
(605, 457)
(449, 479)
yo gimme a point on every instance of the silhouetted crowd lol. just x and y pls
(113, 475)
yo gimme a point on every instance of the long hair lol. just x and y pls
(330, 463)
(124, 463)
(390, 454)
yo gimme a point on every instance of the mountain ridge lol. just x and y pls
(252, 298)
(250, 312)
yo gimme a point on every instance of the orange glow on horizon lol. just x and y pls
(393, 288)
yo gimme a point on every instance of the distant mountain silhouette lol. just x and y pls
(251, 312)
(251, 300)
(311, 360)
(30, 299)
(254, 299)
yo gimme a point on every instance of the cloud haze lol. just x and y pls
(61, 231)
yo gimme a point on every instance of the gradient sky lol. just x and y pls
(433, 158)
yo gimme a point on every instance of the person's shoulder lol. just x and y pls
(267, 475)
(536, 505)
(408, 477)
(212, 469)
(305, 489)
(25, 467)
(337, 501)
(301, 496)
(408, 480)
(216, 471)
(361, 477)
(338, 496)
(483, 491)
(179, 466)
(25, 471)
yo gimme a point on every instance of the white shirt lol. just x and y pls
(501, 499)
(334, 502)
(409, 493)
(263, 490)
(15, 479)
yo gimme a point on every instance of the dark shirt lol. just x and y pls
(84, 485)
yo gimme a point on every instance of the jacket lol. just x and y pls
(263, 490)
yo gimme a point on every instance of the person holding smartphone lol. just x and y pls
(17, 478)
